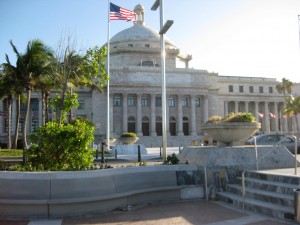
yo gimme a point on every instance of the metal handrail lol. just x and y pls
(205, 180)
(243, 189)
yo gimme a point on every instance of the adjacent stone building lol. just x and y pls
(192, 95)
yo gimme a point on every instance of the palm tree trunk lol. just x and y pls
(18, 113)
(24, 131)
(43, 108)
(9, 107)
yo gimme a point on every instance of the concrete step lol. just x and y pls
(257, 206)
(263, 195)
(279, 187)
(265, 176)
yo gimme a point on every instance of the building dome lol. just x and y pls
(139, 32)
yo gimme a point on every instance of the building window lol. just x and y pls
(241, 89)
(197, 102)
(172, 102)
(147, 45)
(144, 101)
(158, 101)
(270, 90)
(117, 100)
(130, 45)
(34, 104)
(81, 104)
(261, 89)
(184, 102)
(251, 89)
(130, 101)
(34, 125)
(230, 88)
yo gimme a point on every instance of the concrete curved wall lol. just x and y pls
(59, 194)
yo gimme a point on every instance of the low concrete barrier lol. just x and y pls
(60, 194)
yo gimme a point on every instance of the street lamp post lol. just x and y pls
(163, 29)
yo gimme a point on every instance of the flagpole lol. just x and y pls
(108, 73)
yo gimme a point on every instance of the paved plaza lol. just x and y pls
(198, 212)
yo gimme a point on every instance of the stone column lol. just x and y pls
(246, 106)
(193, 116)
(236, 107)
(153, 116)
(285, 120)
(179, 116)
(139, 115)
(267, 118)
(111, 111)
(225, 108)
(167, 117)
(256, 111)
(276, 116)
(125, 112)
(205, 108)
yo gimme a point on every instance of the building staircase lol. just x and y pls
(264, 193)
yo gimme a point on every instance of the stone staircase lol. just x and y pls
(265, 193)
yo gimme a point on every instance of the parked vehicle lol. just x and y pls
(275, 139)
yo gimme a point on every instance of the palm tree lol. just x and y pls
(284, 87)
(17, 88)
(293, 108)
(35, 62)
(7, 91)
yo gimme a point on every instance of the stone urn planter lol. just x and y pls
(231, 133)
(111, 140)
(128, 138)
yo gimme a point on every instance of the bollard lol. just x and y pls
(102, 153)
(97, 152)
(139, 153)
(160, 151)
(116, 153)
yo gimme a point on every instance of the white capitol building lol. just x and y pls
(192, 95)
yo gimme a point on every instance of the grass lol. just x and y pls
(19, 153)
(11, 152)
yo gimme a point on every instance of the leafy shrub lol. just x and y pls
(129, 134)
(214, 119)
(238, 117)
(172, 159)
(62, 147)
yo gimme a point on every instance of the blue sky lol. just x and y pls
(231, 37)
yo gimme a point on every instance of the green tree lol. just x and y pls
(284, 87)
(16, 87)
(62, 147)
(293, 108)
(7, 91)
(35, 62)
(75, 70)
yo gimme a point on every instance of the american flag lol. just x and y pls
(272, 115)
(2, 113)
(119, 13)
(261, 115)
